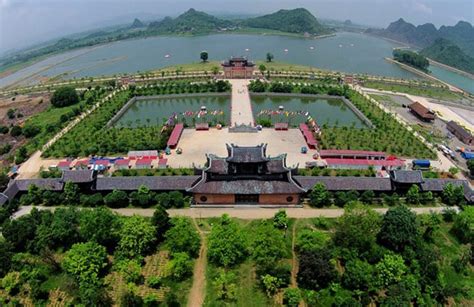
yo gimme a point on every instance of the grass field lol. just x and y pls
(432, 92)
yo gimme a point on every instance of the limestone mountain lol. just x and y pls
(444, 51)
(298, 20)
(191, 21)
(462, 34)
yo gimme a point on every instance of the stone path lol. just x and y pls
(241, 112)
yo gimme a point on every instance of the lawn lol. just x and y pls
(425, 91)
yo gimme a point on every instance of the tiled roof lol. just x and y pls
(78, 176)
(246, 187)
(333, 161)
(405, 176)
(217, 165)
(459, 129)
(52, 184)
(11, 190)
(277, 165)
(122, 162)
(246, 154)
(330, 152)
(346, 183)
(144, 161)
(421, 110)
(64, 164)
(3, 199)
(156, 183)
(437, 185)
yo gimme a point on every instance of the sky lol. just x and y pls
(27, 22)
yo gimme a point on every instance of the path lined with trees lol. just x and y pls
(242, 213)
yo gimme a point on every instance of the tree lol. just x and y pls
(99, 225)
(130, 270)
(181, 266)
(58, 229)
(20, 233)
(161, 221)
(268, 245)
(319, 196)
(358, 275)
(311, 240)
(215, 70)
(204, 56)
(227, 244)
(183, 237)
(453, 195)
(315, 270)
(463, 227)
(292, 297)
(116, 199)
(390, 270)
(6, 254)
(280, 220)
(470, 166)
(413, 195)
(64, 96)
(367, 197)
(269, 57)
(71, 193)
(399, 229)
(225, 285)
(16, 131)
(262, 68)
(137, 237)
(271, 284)
(357, 229)
(84, 262)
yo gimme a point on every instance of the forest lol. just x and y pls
(388, 135)
(411, 58)
(96, 257)
(92, 137)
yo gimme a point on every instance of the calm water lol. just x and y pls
(346, 52)
(158, 111)
(453, 78)
(333, 112)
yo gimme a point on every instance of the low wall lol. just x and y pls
(129, 103)
(351, 106)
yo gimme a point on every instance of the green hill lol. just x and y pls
(444, 51)
(293, 21)
(191, 21)
(461, 34)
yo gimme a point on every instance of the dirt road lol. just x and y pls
(198, 290)
(246, 213)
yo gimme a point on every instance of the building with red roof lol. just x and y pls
(352, 154)
(82, 164)
(175, 135)
(162, 163)
(143, 163)
(122, 164)
(64, 165)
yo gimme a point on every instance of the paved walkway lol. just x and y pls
(241, 106)
(244, 212)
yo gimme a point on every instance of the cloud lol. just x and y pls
(422, 8)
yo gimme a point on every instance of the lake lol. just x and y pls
(330, 111)
(149, 112)
(346, 52)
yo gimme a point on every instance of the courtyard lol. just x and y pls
(196, 144)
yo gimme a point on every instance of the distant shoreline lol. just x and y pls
(451, 68)
(425, 75)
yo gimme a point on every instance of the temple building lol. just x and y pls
(238, 68)
(246, 175)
